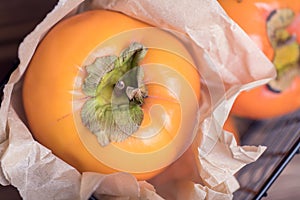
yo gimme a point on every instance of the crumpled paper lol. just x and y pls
(229, 63)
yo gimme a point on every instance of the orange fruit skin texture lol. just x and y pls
(251, 16)
(49, 80)
(260, 103)
(230, 126)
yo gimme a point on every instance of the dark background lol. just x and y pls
(17, 19)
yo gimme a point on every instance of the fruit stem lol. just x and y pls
(286, 48)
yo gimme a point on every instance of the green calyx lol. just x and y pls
(116, 92)
(286, 49)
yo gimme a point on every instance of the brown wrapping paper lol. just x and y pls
(230, 63)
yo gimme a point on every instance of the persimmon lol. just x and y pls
(274, 26)
(230, 125)
(107, 93)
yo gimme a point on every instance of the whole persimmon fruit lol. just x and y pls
(274, 25)
(108, 93)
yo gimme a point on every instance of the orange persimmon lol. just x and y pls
(274, 26)
(64, 107)
(230, 126)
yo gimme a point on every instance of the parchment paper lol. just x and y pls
(205, 171)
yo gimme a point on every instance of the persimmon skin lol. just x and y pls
(254, 27)
(251, 16)
(230, 126)
(49, 81)
(273, 104)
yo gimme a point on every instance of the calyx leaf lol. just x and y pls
(116, 91)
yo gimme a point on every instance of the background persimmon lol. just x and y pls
(230, 125)
(274, 26)
(53, 97)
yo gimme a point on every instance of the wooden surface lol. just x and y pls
(287, 186)
(281, 136)
(17, 19)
